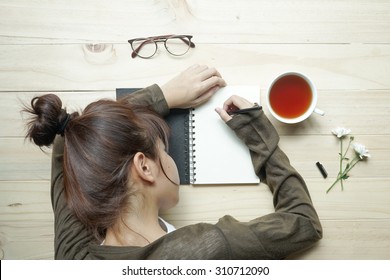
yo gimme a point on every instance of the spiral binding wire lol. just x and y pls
(191, 144)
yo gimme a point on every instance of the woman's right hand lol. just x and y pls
(192, 87)
(235, 102)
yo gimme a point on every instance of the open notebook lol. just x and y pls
(205, 149)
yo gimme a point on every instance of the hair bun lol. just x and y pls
(46, 120)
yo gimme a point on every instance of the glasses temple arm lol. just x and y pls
(188, 42)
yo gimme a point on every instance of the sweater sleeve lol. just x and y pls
(294, 226)
(72, 238)
(151, 96)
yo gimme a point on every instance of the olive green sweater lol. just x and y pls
(294, 226)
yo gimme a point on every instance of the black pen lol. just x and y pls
(322, 169)
(243, 111)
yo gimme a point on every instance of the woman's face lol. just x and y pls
(170, 180)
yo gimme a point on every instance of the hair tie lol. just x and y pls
(62, 126)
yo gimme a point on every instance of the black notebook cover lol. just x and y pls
(178, 121)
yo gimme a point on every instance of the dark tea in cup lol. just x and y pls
(292, 98)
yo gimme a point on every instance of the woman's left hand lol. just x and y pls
(192, 87)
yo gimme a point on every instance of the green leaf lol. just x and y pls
(345, 177)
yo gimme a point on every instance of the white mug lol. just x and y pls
(292, 98)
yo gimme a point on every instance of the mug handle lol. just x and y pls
(319, 111)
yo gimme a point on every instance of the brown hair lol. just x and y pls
(100, 144)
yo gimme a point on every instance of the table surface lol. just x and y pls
(79, 50)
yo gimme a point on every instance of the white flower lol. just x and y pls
(340, 132)
(361, 150)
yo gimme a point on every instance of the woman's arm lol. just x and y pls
(151, 96)
(190, 88)
(294, 225)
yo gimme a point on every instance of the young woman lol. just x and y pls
(111, 176)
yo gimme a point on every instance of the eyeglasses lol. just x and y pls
(176, 45)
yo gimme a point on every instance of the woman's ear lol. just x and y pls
(143, 167)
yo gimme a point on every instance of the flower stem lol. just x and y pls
(344, 173)
(341, 162)
(338, 179)
(339, 176)
(342, 157)
(349, 145)
(353, 163)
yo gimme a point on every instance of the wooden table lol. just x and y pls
(79, 50)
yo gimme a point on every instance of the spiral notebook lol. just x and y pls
(205, 149)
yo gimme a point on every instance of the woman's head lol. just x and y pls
(100, 146)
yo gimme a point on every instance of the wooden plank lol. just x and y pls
(224, 21)
(362, 199)
(28, 239)
(342, 240)
(105, 67)
(25, 201)
(249, 202)
(355, 225)
(21, 160)
(26, 220)
(353, 109)
(352, 240)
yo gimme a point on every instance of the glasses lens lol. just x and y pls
(177, 45)
(144, 47)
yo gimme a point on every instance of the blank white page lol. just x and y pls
(220, 156)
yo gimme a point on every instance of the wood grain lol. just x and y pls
(363, 107)
(351, 230)
(79, 51)
(223, 21)
(108, 66)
